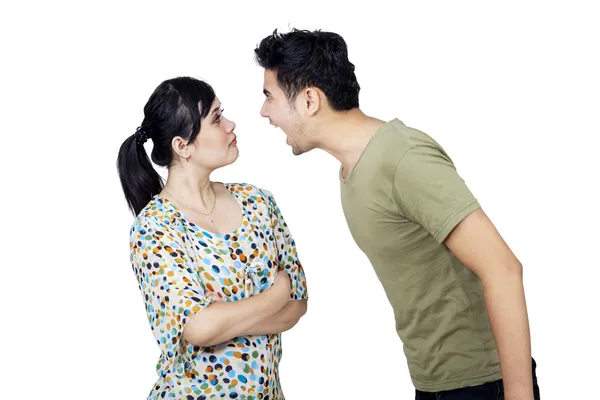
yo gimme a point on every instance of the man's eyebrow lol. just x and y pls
(266, 92)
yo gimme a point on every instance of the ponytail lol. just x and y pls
(175, 109)
(139, 179)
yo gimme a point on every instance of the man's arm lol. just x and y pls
(478, 245)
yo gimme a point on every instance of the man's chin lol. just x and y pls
(296, 151)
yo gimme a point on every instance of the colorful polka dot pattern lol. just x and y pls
(175, 261)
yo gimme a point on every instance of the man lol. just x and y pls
(455, 286)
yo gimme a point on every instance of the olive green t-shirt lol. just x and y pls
(401, 200)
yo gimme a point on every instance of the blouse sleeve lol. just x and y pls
(170, 285)
(287, 255)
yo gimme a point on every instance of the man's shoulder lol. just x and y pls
(399, 139)
(390, 144)
(399, 134)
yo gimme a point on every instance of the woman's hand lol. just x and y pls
(282, 282)
(281, 288)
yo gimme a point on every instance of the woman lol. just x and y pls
(216, 264)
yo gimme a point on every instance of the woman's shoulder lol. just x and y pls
(158, 214)
(249, 191)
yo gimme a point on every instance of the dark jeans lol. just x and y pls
(487, 391)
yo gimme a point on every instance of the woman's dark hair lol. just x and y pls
(304, 58)
(175, 108)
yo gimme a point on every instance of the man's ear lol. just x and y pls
(312, 100)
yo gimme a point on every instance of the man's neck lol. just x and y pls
(346, 135)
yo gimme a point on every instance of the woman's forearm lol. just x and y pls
(282, 320)
(223, 321)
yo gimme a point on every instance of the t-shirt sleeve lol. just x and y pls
(429, 191)
(287, 255)
(170, 285)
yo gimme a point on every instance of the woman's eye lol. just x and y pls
(218, 118)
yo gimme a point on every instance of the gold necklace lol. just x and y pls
(208, 215)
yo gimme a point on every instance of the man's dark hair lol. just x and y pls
(303, 58)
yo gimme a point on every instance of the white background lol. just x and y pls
(511, 91)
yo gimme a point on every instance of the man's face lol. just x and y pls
(282, 114)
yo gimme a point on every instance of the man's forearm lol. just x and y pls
(505, 300)
(282, 320)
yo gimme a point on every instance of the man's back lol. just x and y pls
(401, 200)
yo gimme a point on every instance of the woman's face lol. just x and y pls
(216, 144)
